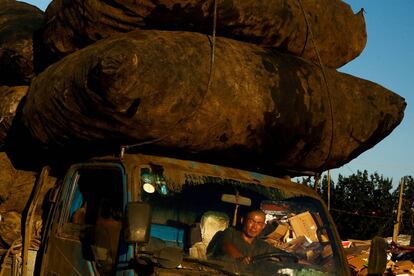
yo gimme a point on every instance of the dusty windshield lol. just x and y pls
(224, 221)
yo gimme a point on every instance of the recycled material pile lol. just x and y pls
(399, 258)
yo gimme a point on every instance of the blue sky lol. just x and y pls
(388, 59)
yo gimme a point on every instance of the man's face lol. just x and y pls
(254, 224)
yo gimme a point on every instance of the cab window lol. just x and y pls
(94, 213)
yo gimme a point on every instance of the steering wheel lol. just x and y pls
(276, 256)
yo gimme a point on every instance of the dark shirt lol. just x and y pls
(215, 249)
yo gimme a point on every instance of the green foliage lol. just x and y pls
(362, 205)
(407, 208)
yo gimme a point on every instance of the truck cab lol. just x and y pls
(150, 215)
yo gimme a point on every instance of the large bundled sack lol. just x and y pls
(15, 190)
(10, 98)
(251, 105)
(15, 185)
(18, 23)
(339, 34)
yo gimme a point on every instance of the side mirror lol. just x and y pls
(137, 222)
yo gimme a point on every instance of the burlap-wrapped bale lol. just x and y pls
(339, 34)
(15, 189)
(261, 107)
(10, 227)
(15, 185)
(10, 230)
(18, 23)
(10, 98)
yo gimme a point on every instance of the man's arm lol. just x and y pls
(231, 250)
(234, 253)
(221, 246)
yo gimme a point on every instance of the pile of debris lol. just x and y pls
(401, 268)
(402, 258)
(399, 258)
(357, 255)
(300, 232)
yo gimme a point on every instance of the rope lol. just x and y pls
(210, 78)
(325, 81)
(3, 263)
(213, 50)
(358, 214)
(16, 246)
(15, 249)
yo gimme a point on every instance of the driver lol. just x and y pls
(241, 245)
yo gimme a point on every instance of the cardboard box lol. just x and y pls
(293, 245)
(277, 244)
(403, 267)
(357, 263)
(327, 251)
(303, 224)
(346, 244)
(324, 238)
(404, 264)
(363, 272)
(279, 232)
(311, 255)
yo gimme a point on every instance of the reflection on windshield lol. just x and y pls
(193, 215)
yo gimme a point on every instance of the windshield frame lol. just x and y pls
(179, 171)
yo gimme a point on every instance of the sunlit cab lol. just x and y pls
(149, 215)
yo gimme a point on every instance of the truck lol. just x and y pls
(140, 214)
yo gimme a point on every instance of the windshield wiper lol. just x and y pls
(167, 257)
(227, 268)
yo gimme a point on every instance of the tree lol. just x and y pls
(407, 225)
(361, 205)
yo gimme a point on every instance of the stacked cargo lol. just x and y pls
(298, 231)
(18, 25)
(262, 94)
(393, 258)
(402, 268)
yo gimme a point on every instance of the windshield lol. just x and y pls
(200, 214)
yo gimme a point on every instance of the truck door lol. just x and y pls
(84, 235)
